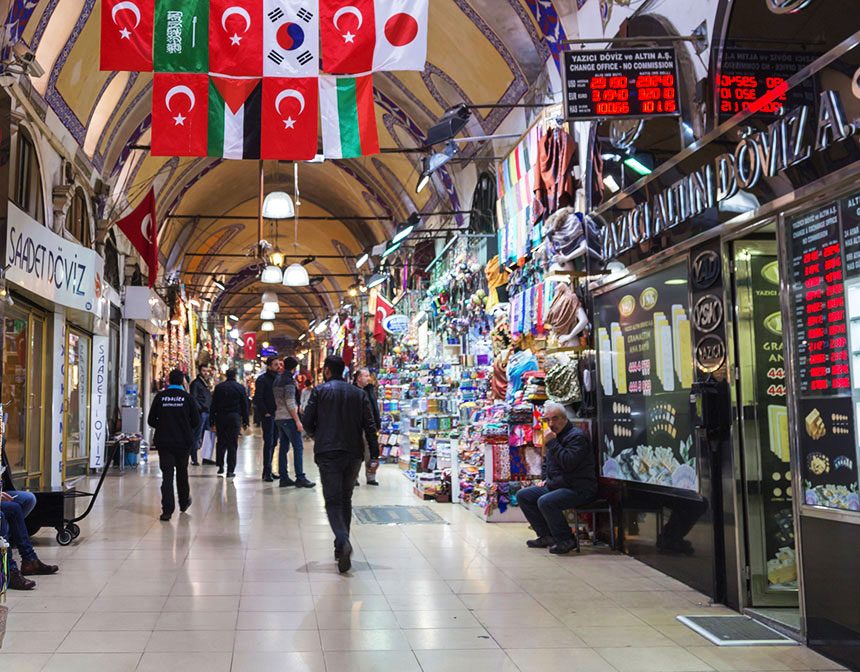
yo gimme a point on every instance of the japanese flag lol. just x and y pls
(291, 37)
(401, 35)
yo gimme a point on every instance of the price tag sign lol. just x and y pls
(621, 83)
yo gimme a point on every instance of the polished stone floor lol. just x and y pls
(246, 582)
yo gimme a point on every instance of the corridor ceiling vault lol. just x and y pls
(480, 51)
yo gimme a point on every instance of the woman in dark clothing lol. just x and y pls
(363, 380)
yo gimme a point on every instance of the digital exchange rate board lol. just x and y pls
(621, 83)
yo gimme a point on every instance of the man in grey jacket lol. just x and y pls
(336, 416)
(288, 427)
(570, 480)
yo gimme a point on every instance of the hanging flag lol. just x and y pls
(181, 40)
(347, 35)
(290, 126)
(179, 114)
(140, 228)
(235, 106)
(383, 310)
(236, 38)
(249, 343)
(126, 35)
(348, 117)
(291, 38)
(401, 35)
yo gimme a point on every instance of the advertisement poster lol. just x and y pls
(646, 374)
(772, 421)
(827, 398)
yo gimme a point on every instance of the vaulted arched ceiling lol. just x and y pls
(480, 51)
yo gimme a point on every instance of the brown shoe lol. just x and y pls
(19, 582)
(35, 567)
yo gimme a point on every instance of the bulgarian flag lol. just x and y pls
(235, 107)
(348, 117)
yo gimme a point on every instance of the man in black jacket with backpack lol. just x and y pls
(175, 418)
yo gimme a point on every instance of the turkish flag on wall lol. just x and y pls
(290, 123)
(236, 37)
(180, 110)
(126, 35)
(347, 35)
(140, 228)
(383, 310)
(249, 341)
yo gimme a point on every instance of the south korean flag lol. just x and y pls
(291, 38)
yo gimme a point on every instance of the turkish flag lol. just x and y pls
(383, 310)
(236, 37)
(348, 36)
(140, 228)
(126, 35)
(249, 341)
(180, 111)
(290, 123)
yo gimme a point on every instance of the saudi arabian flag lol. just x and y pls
(348, 117)
(235, 107)
(181, 36)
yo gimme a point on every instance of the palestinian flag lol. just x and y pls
(235, 106)
(348, 117)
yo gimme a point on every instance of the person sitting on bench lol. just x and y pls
(15, 506)
(570, 480)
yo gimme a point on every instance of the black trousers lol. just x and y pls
(338, 471)
(174, 460)
(228, 428)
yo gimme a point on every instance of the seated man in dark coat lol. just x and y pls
(570, 480)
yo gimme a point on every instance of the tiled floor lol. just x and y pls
(246, 582)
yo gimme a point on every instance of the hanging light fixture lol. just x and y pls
(278, 205)
(272, 306)
(271, 275)
(267, 314)
(267, 326)
(296, 275)
(234, 334)
(269, 297)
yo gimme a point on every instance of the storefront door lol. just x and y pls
(76, 420)
(23, 394)
(764, 429)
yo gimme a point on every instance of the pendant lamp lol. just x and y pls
(266, 314)
(267, 326)
(269, 297)
(271, 275)
(278, 205)
(296, 275)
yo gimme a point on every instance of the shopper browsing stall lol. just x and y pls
(570, 481)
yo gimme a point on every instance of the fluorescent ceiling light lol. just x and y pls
(267, 314)
(362, 260)
(234, 333)
(267, 326)
(303, 337)
(391, 250)
(430, 164)
(321, 327)
(637, 166)
(296, 275)
(271, 275)
(611, 184)
(278, 205)
(219, 284)
(376, 280)
(195, 303)
(235, 318)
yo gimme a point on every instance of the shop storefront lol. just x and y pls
(58, 305)
(730, 325)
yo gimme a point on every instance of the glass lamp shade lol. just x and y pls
(272, 306)
(267, 314)
(278, 205)
(296, 275)
(267, 326)
(271, 275)
(269, 297)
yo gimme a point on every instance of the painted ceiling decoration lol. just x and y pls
(480, 52)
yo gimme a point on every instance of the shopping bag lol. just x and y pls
(207, 448)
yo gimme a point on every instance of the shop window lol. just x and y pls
(27, 187)
(78, 221)
(77, 408)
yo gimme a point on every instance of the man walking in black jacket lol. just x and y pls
(228, 414)
(175, 417)
(264, 401)
(337, 415)
(570, 481)
(199, 389)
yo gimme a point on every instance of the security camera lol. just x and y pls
(26, 59)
